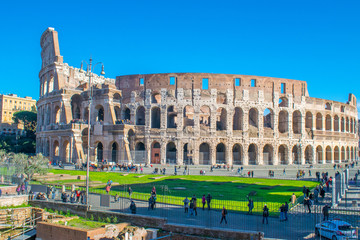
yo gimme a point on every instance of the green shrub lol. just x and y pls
(99, 219)
(115, 220)
(92, 217)
(68, 214)
(108, 220)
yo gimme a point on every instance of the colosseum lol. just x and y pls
(187, 118)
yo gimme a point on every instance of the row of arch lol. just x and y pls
(286, 155)
(47, 86)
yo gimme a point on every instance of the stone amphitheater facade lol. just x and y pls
(188, 118)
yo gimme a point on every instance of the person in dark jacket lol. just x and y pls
(286, 209)
(208, 200)
(133, 207)
(265, 214)
(325, 211)
(223, 215)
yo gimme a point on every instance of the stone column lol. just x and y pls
(213, 154)
(246, 155)
(275, 155)
(302, 154)
(314, 155)
(228, 154)
(163, 152)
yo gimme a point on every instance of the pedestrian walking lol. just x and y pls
(191, 213)
(208, 200)
(286, 209)
(265, 214)
(133, 207)
(282, 214)
(250, 206)
(203, 201)
(186, 204)
(116, 197)
(325, 211)
(223, 215)
(107, 189)
(293, 199)
(130, 192)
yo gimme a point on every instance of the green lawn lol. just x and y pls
(82, 223)
(229, 191)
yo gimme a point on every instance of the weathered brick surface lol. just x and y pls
(11, 190)
(16, 200)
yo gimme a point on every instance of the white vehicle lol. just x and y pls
(335, 230)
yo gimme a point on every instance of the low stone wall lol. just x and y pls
(15, 200)
(213, 232)
(154, 222)
(15, 215)
(138, 220)
(10, 190)
(76, 209)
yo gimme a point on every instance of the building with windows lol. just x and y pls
(188, 118)
(9, 104)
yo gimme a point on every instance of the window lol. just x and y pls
(141, 82)
(10, 101)
(15, 101)
(5, 100)
(172, 80)
(283, 88)
(205, 83)
(237, 82)
(253, 82)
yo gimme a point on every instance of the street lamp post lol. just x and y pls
(89, 71)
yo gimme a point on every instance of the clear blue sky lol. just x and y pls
(315, 41)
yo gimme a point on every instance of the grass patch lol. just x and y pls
(227, 191)
(83, 223)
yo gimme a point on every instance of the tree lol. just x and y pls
(28, 119)
(30, 165)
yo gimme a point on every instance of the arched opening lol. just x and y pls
(309, 120)
(56, 151)
(328, 122)
(140, 153)
(131, 139)
(114, 152)
(268, 119)
(237, 154)
(188, 117)
(296, 154)
(76, 101)
(66, 152)
(84, 139)
(351, 125)
(99, 150)
(327, 106)
(155, 117)
(309, 158)
(283, 102)
(117, 113)
(221, 119)
(347, 124)
(116, 98)
(51, 84)
(140, 116)
(187, 155)
(268, 154)
(342, 154)
(283, 121)
(252, 153)
(253, 118)
(328, 154)
(204, 118)
(86, 114)
(171, 117)
(100, 113)
(347, 154)
(220, 154)
(283, 155)
(238, 119)
(296, 122)
(171, 153)
(319, 125)
(352, 154)
(57, 114)
(336, 123)
(342, 124)
(126, 114)
(156, 98)
(155, 153)
(204, 155)
(336, 155)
